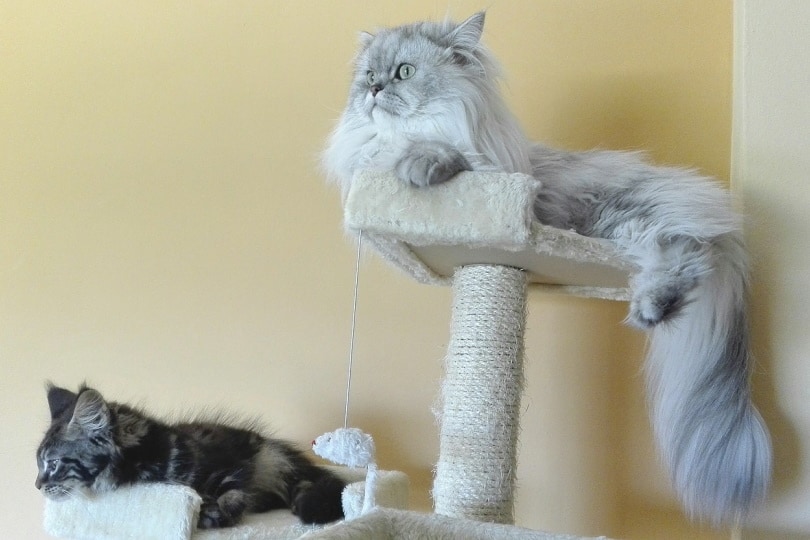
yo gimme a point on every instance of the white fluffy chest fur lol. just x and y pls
(379, 140)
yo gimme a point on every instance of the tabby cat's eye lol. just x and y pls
(371, 77)
(405, 71)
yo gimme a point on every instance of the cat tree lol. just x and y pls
(476, 233)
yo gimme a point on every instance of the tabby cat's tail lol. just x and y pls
(711, 435)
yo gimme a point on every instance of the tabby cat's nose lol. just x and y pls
(38, 482)
(375, 89)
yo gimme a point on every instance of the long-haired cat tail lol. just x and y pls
(425, 103)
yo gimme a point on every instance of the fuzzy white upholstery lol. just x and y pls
(167, 512)
(391, 491)
(386, 524)
(164, 512)
(478, 218)
(274, 525)
(142, 512)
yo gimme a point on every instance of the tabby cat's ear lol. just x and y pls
(91, 412)
(467, 34)
(59, 400)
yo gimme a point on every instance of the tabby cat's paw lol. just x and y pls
(319, 501)
(212, 517)
(427, 164)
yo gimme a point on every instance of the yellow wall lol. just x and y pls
(166, 235)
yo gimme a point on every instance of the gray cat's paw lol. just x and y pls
(658, 298)
(427, 164)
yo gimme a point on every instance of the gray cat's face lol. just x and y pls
(415, 70)
(399, 75)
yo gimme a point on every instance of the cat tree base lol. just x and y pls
(169, 512)
(387, 524)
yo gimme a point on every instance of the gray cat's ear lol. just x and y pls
(91, 412)
(364, 39)
(59, 400)
(467, 34)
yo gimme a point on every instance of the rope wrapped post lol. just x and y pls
(480, 416)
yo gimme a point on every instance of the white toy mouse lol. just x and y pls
(353, 448)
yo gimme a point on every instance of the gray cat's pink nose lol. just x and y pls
(375, 89)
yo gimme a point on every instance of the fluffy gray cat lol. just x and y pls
(425, 103)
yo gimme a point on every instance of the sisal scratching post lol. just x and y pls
(475, 474)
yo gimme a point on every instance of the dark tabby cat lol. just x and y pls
(94, 446)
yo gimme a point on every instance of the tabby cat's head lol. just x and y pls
(78, 448)
(418, 70)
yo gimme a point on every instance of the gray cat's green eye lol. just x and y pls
(405, 71)
(371, 77)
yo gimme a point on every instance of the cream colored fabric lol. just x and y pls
(391, 491)
(386, 524)
(142, 512)
(478, 218)
(473, 209)
(167, 512)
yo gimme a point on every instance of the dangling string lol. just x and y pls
(354, 321)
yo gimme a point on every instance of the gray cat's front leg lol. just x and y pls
(426, 163)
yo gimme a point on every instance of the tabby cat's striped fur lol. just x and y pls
(94, 446)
